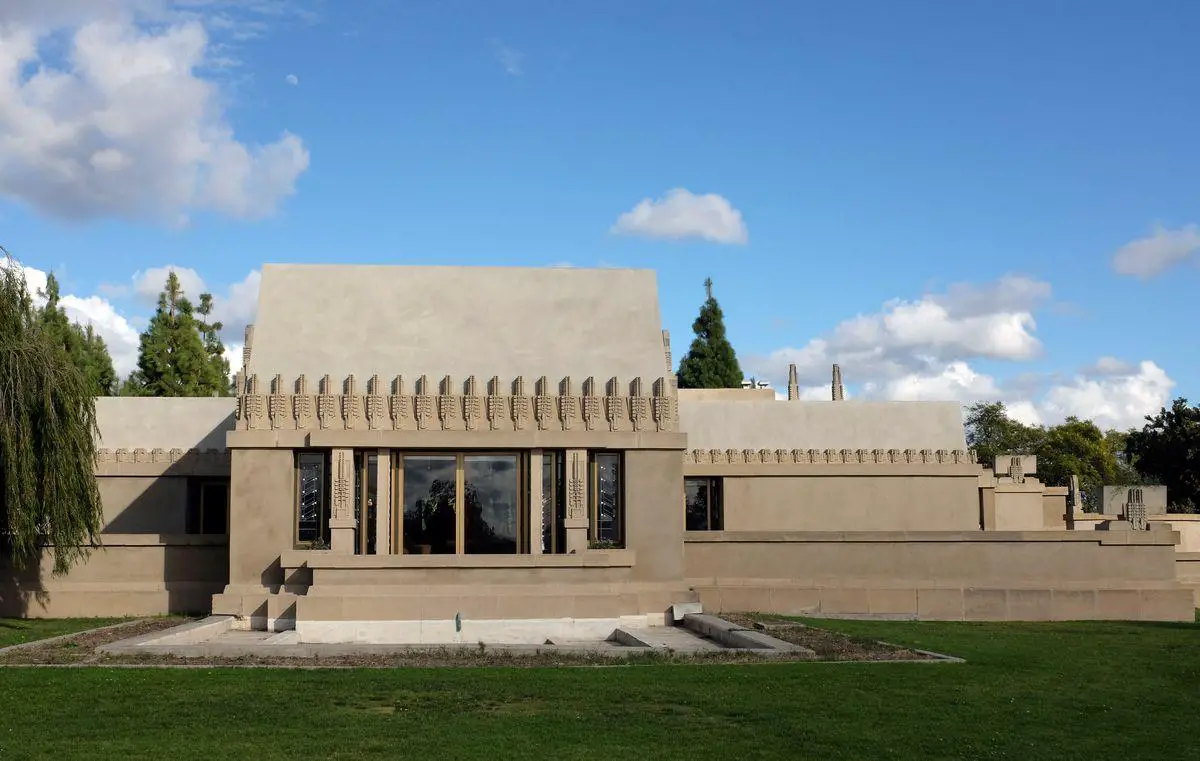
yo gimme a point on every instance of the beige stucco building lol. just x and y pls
(423, 450)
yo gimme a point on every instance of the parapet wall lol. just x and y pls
(131, 575)
(1059, 575)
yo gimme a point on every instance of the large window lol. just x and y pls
(207, 506)
(703, 504)
(312, 499)
(366, 471)
(461, 503)
(554, 503)
(606, 527)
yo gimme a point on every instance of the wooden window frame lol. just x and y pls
(714, 504)
(524, 541)
(557, 525)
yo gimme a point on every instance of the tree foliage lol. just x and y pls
(710, 361)
(1167, 449)
(86, 349)
(180, 354)
(48, 490)
(1073, 447)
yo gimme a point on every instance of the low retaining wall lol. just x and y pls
(130, 575)
(994, 575)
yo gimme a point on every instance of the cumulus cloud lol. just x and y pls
(681, 214)
(1150, 256)
(925, 350)
(1118, 400)
(921, 338)
(126, 123)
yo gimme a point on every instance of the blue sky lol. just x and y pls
(954, 200)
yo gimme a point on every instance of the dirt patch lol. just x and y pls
(828, 645)
(81, 647)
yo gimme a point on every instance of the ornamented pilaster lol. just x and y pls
(472, 405)
(793, 384)
(326, 404)
(376, 405)
(401, 406)
(425, 404)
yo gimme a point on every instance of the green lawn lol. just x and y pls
(14, 631)
(1029, 691)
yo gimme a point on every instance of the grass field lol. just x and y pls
(16, 631)
(1029, 691)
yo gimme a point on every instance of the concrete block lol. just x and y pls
(940, 604)
(681, 609)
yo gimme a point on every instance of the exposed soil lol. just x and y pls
(81, 647)
(828, 645)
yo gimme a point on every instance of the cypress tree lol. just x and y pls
(711, 361)
(172, 360)
(86, 349)
(48, 435)
(210, 332)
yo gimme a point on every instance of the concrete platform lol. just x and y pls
(215, 637)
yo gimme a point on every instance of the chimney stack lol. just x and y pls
(793, 384)
(839, 394)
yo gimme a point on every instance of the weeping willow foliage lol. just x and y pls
(48, 493)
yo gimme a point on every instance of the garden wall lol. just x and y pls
(994, 575)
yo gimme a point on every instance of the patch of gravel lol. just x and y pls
(828, 645)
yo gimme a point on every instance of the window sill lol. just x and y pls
(588, 559)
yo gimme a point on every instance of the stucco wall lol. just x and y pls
(721, 424)
(485, 321)
(140, 422)
(941, 575)
(851, 503)
(262, 515)
(131, 575)
(144, 504)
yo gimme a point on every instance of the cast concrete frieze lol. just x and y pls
(542, 405)
(827, 456)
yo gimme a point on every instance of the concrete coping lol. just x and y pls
(160, 540)
(1169, 538)
(586, 559)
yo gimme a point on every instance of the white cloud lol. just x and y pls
(125, 123)
(1116, 401)
(148, 284)
(957, 381)
(512, 60)
(118, 333)
(906, 340)
(680, 214)
(1146, 257)
(924, 350)
(292, 79)
(235, 308)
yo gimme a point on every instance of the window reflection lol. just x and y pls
(366, 468)
(554, 502)
(491, 498)
(703, 504)
(430, 495)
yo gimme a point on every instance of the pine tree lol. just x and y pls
(172, 359)
(48, 492)
(86, 349)
(211, 333)
(711, 361)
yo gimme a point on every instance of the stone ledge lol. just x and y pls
(588, 559)
(1168, 538)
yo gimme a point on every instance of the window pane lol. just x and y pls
(429, 498)
(215, 498)
(608, 497)
(554, 503)
(364, 528)
(311, 495)
(697, 501)
(491, 499)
